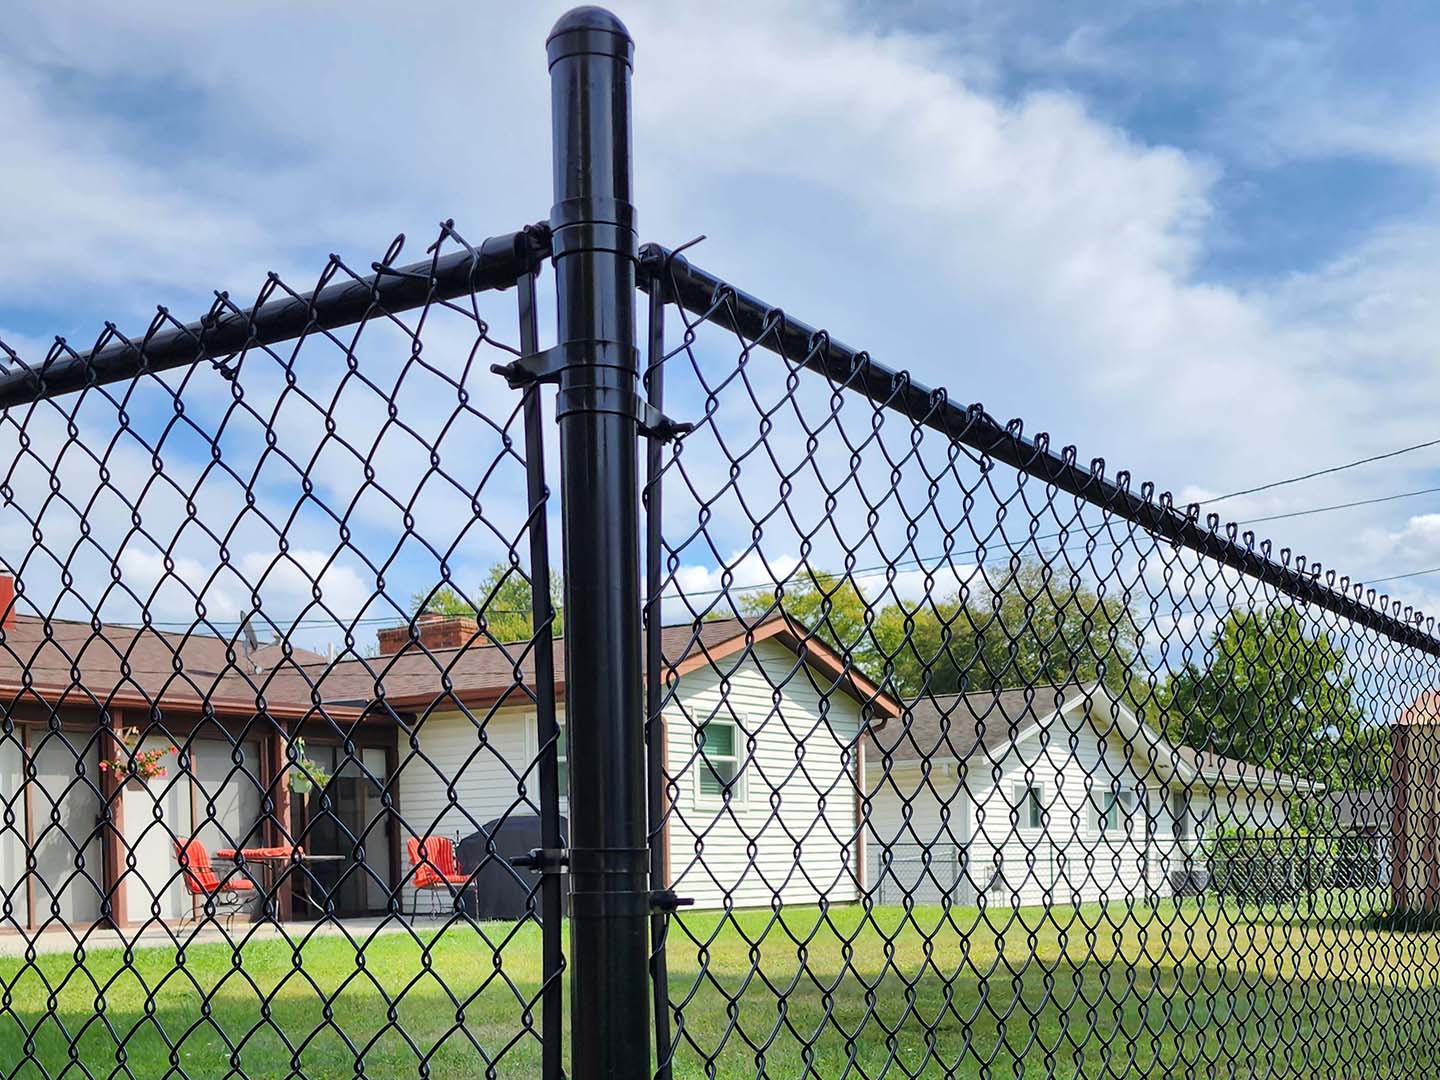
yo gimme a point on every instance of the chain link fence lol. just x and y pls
(387, 696)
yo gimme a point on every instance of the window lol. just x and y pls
(1030, 802)
(533, 746)
(1127, 808)
(1112, 810)
(1180, 814)
(720, 773)
(562, 763)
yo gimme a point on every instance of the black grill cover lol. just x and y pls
(500, 891)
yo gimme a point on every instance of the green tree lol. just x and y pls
(1277, 695)
(504, 600)
(829, 605)
(1032, 626)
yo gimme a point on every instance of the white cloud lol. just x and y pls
(1019, 249)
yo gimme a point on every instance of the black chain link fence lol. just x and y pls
(1018, 770)
(964, 758)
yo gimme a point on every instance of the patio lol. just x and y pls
(63, 939)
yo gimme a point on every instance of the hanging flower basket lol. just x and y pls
(136, 766)
(306, 775)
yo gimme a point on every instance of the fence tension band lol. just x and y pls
(598, 863)
(543, 860)
(549, 366)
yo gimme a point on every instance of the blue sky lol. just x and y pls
(1199, 240)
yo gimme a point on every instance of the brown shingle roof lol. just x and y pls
(70, 662)
(484, 674)
(67, 662)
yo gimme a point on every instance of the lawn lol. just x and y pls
(1123, 991)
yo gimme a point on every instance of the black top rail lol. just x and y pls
(497, 263)
(712, 298)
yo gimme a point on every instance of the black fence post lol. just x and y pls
(596, 255)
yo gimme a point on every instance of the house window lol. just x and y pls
(1030, 802)
(534, 744)
(562, 763)
(1112, 810)
(720, 771)
(1180, 815)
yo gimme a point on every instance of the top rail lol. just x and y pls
(714, 299)
(497, 263)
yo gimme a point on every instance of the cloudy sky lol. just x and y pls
(1197, 240)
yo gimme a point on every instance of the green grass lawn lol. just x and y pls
(1178, 989)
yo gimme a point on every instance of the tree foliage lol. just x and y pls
(1275, 694)
(1032, 625)
(501, 603)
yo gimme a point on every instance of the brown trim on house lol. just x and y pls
(393, 818)
(114, 845)
(76, 697)
(30, 921)
(277, 822)
(1399, 821)
(816, 652)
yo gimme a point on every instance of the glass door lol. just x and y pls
(344, 819)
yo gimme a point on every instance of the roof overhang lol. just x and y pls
(790, 633)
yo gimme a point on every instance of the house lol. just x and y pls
(1048, 794)
(1364, 825)
(434, 736)
(762, 730)
(1415, 824)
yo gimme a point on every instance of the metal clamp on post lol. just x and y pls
(593, 869)
(666, 901)
(543, 860)
(595, 393)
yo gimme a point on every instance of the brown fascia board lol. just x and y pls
(78, 697)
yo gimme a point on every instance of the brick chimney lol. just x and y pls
(7, 602)
(435, 632)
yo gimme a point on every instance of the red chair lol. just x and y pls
(226, 898)
(433, 859)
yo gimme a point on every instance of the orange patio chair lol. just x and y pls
(433, 860)
(226, 898)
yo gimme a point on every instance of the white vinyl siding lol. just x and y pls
(918, 831)
(793, 834)
(1108, 834)
(803, 755)
(480, 756)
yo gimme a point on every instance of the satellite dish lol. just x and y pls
(252, 644)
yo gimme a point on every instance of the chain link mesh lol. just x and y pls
(270, 734)
(1001, 768)
(966, 759)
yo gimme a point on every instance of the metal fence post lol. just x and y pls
(596, 255)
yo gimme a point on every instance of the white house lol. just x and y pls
(762, 727)
(1048, 795)
(788, 777)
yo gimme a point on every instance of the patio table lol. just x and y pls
(273, 863)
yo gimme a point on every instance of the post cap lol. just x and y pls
(589, 29)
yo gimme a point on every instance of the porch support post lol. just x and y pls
(114, 909)
(276, 808)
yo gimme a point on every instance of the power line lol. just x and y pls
(1341, 506)
(918, 562)
(1401, 577)
(1321, 472)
